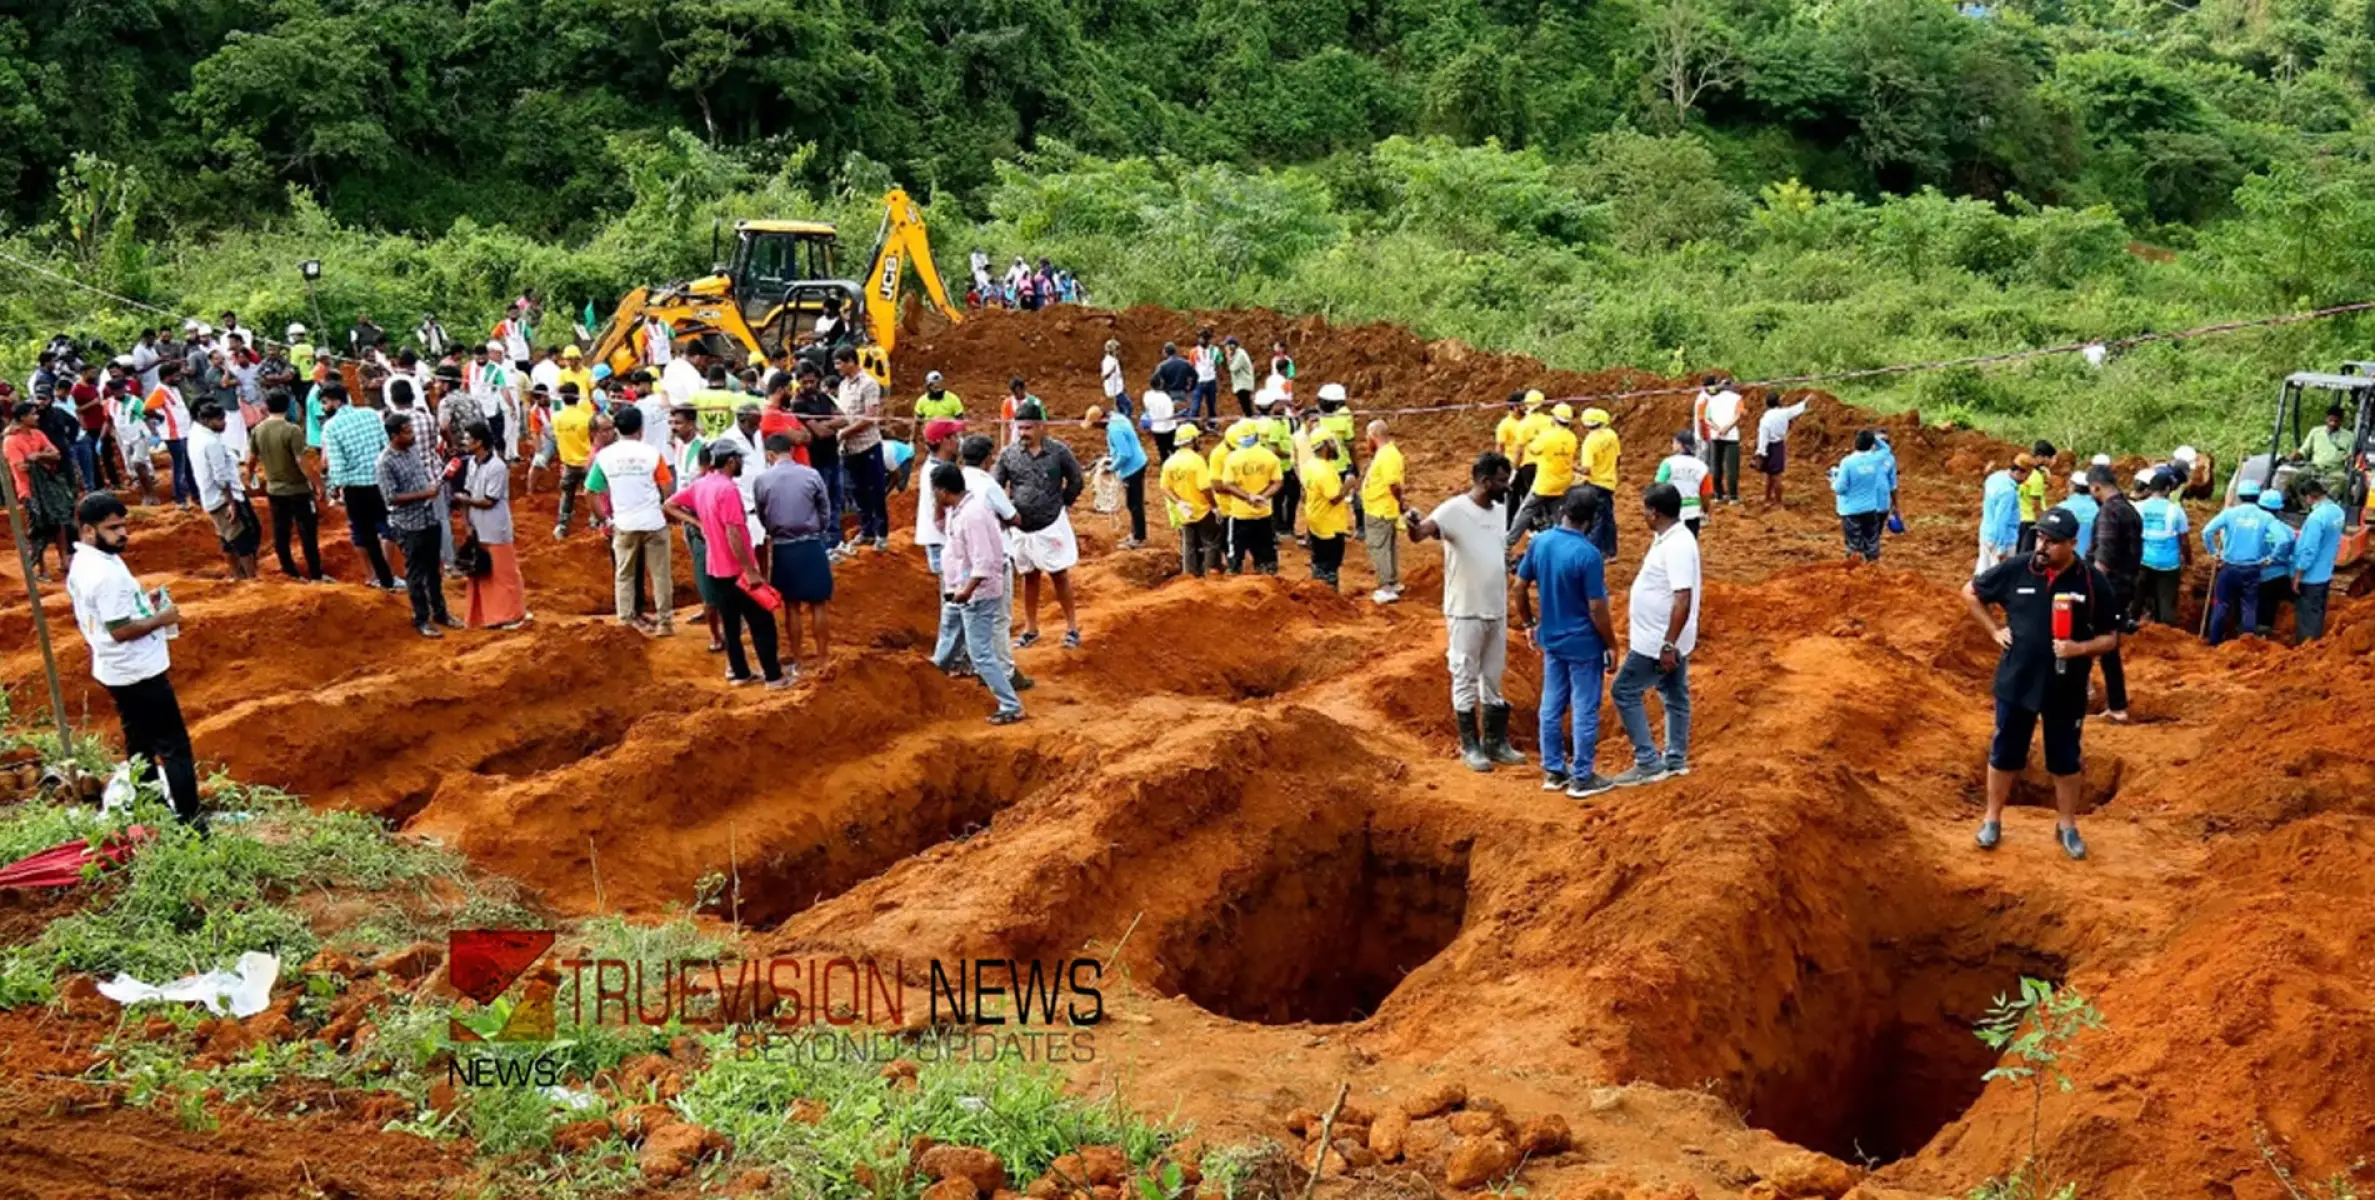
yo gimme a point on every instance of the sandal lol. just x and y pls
(1027, 640)
(1006, 716)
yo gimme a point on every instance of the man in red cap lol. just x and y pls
(940, 446)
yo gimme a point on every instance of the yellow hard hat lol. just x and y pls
(1563, 413)
(1187, 432)
(1595, 416)
(1534, 398)
(572, 352)
(1240, 430)
(1092, 415)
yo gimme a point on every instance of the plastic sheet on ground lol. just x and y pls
(243, 991)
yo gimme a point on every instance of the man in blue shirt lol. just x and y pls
(2082, 505)
(1575, 638)
(2313, 559)
(2166, 551)
(1862, 483)
(2276, 573)
(1999, 513)
(2238, 538)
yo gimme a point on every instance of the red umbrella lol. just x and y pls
(61, 865)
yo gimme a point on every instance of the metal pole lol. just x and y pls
(49, 658)
(315, 302)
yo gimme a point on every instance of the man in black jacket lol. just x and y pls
(2119, 553)
(1174, 376)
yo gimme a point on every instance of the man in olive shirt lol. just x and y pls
(293, 492)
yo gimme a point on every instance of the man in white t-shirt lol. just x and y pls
(1662, 619)
(1475, 608)
(1723, 437)
(127, 630)
(629, 471)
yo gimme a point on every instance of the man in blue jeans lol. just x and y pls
(2239, 537)
(1575, 638)
(973, 588)
(1662, 620)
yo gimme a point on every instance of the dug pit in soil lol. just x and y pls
(1906, 1059)
(1326, 937)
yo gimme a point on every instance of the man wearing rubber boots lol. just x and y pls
(2060, 613)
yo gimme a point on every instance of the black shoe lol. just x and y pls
(1554, 781)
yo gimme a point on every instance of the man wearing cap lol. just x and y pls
(1999, 513)
(1187, 497)
(573, 370)
(1275, 426)
(2042, 679)
(1327, 501)
(2167, 552)
(1861, 483)
(1533, 423)
(1550, 460)
(1600, 452)
(1381, 501)
(1242, 379)
(2238, 538)
(939, 437)
(2327, 448)
(1042, 479)
(1248, 480)
(2276, 573)
(936, 404)
(714, 503)
(2314, 551)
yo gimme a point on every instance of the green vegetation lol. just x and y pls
(2038, 1031)
(1775, 188)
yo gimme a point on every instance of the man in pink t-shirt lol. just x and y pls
(714, 502)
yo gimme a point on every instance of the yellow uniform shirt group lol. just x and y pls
(1377, 487)
(1553, 454)
(1249, 469)
(1187, 482)
(1505, 436)
(1530, 427)
(1600, 449)
(713, 410)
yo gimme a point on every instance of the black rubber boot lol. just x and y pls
(1471, 746)
(1496, 737)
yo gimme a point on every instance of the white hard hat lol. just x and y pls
(2145, 475)
(2101, 460)
(1332, 391)
(2184, 454)
(2077, 479)
(295, 331)
(494, 347)
(931, 377)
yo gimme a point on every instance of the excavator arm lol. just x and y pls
(902, 242)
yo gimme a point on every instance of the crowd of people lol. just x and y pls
(775, 477)
(1022, 286)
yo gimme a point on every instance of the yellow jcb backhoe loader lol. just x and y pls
(779, 281)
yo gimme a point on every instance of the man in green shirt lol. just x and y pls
(294, 494)
(936, 404)
(2328, 449)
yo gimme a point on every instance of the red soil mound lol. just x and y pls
(1241, 791)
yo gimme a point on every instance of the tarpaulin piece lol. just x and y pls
(61, 865)
(244, 991)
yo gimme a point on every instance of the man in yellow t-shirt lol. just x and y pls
(1552, 454)
(573, 370)
(1600, 452)
(1505, 433)
(573, 441)
(1249, 477)
(1327, 500)
(2032, 494)
(1187, 496)
(713, 406)
(1381, 500)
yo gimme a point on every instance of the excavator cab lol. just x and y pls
(770, 257)
(2301, 406)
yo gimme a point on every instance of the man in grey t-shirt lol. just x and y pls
(860, 401)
